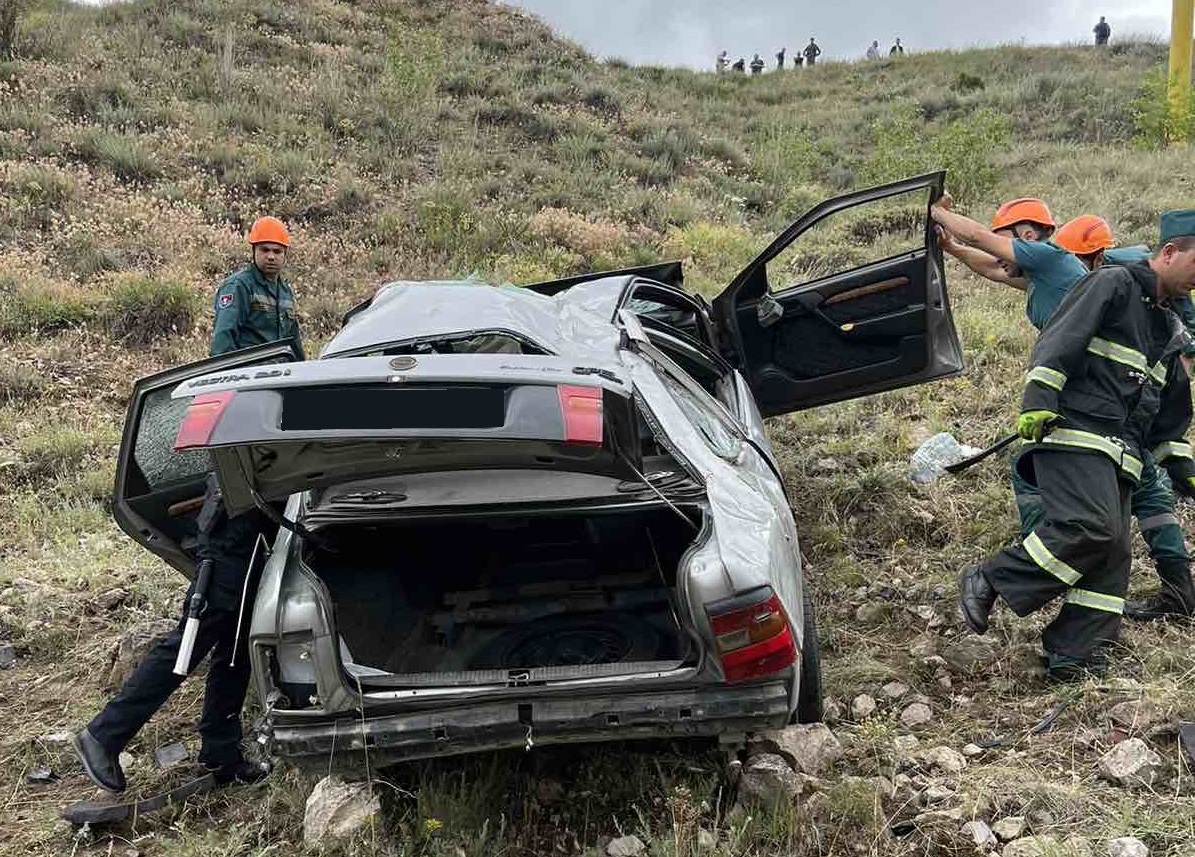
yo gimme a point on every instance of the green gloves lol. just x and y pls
(1032, 425)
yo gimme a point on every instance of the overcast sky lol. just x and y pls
(691, 32)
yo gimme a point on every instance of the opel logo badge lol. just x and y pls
(403, 363)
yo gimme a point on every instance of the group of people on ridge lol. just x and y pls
(1106, 404)
(806, 57)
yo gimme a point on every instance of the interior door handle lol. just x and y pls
(812, 303)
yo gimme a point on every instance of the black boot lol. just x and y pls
(976, 598)
(1166, 604)
(1064, 669)
(1175, 597)
(103, 767)
(244, 771)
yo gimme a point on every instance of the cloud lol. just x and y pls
(691, 32)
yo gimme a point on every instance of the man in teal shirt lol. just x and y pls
(1047, 270)
(255, 305)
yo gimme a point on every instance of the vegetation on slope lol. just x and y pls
(406, 139)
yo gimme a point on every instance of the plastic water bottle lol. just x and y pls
(930, 460)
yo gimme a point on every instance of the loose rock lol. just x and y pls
(133, 645)
(1135, 716)
(42, 775)
(768, 781)
(831, 711)
(980, 833)
(972, 750)
(970, 653)
(894, 689)
(338, 810)
(810, 748)
(1031, 846)
(110, 599)
(872, 612)
(1127, 846)
(1131, 763)
(8, 655)
(1009, 828)
(917, 714)
(626, 846)
(905, 743)
(937, 793)
(944, 759)
(862, 707)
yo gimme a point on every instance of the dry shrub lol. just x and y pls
(142, 310)
(577, 233)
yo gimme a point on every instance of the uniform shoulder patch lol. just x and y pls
(225, 300)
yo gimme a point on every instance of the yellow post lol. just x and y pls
(1182, 23)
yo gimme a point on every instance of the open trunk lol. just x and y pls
(477, 600)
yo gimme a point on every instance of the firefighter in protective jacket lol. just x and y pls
(1104, 387)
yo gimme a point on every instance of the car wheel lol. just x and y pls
(809, 697)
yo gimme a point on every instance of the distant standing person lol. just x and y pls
(722, 63)
(757, 64)
(1103, 32)
(897, 50)
(873, 52)
(812, 52)
(780, 57)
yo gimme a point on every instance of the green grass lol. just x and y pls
(412, 140)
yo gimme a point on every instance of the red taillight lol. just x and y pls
(753, 635)
(201, 418)
(582, 409)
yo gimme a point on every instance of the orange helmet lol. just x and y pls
(1086, 234)
(269, 230)
(1027, 209)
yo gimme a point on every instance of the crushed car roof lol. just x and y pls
(577, 321)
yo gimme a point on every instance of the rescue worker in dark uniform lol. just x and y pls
(253, 306)
(1105, 387)
(1047, 265)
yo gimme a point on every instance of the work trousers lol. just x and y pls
(229, 547)
(1080, 550)
(1152, 504)
(152, 682)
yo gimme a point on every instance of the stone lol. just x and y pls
(972, 750)
(934, 817)
(110, 599)
(905, 744)
(169, 755)
(8, 655)
(894, 689)
(831, 711)
(337, 810)
(133, 645)
(1127, 846)
(625, 846)
(980, 833)
(1136, 715)
(809, 748)
(923, 647)
(944, 759)
(970, 653)
(872, 612)
(706, 841)
(917, 714)
(127, 760)
(1131, 763)
(1031, 846)
(862, 707)
(1009, 828)
(937, 793)
(768, 781)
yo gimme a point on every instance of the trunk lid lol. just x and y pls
(276, 431)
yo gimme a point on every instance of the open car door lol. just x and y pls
(159, 491)
(849, 300)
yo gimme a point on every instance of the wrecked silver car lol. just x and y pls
(528, 515)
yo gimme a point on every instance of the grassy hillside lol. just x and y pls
(413, 139)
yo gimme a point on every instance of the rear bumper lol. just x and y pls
(727, 711)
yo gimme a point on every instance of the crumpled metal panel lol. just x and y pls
(754, 532)
(576, 322)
